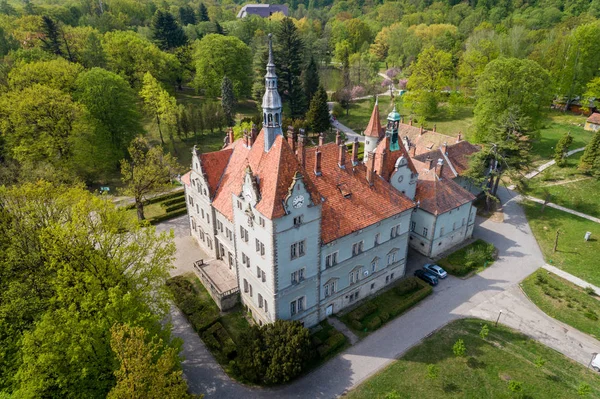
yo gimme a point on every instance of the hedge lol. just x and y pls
(332, 344)
(373, 324)
(173, 208)
(160, 198)
(402, 306)
(363, 311)
(173, 201)
(168, 216)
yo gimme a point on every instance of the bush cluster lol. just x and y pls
(469, 258)
(335, 341)
(187, 300)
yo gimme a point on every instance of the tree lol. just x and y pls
(288, 52)
(51, 41)
(429, 76)
(147, 171)
(58, 74)
(318, 113)
(148, 368)
(459, 348)
(159, 104)
(187, 15)
(311, 79)
(213, 116)
(432, 371)
(166, 32)
(561, 150)
(227, 100)
(274, 353)
(484, 331)
(216, 56)
(590, 160)
(592, 95)
(202, 13)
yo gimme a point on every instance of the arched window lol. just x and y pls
(265, 118)
(277, 118)
(270, 120)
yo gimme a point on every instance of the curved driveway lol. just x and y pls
(482, 295)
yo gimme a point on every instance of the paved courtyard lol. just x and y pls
(483, 295)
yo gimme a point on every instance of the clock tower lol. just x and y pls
(391, 130)
(271, 103)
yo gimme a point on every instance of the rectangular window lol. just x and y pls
(243, 234)
(300, 304)
(453, 226)
(297, 249)
(357, 248)
(331, 259)
(266, 307)
(298, 220)
(413, 225)
(250, 286)
(245, 285)
(391, 258)
(202, 211)
(260, 301)
(257, 244)
(264, 277)
(294, 277)
(376, 241)
(327, 290)
(245, 260)
(397, 230)
(239, 205)
(441, 231)
(301, 275)
(374, 265)
(293, 308)
(190, 200)
(261, 221)
(207, 218)
(197, 208)
(258, 272)
(425, 231)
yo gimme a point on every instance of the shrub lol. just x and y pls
(589, 290)
(336, 341)
(484, 331)
(175, 207)
(190, 304)
(323, 351)
(173, 201)
(168, 216)
(384, 316)
(374, 323)
(357, 325)
(540, 278)
(363, 311)
(316, 341)
(459, 348)
(515, 386)
(407, 286)
(201, 321)
(210, 341)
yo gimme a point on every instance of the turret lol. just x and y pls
(271, 103)
(372, 132)
(391, 130)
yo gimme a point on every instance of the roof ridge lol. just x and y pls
(448, 161)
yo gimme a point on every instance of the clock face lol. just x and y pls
(298, 201)
(400, 178)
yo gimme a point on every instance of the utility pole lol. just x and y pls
(556, 240)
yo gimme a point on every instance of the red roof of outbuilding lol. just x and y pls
(594, 118)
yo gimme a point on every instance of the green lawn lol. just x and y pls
(558, 125)
(473, 257)
(581, 194)
(564, 301)
(484, 372)
(574, 254)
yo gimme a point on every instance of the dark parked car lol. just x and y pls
(427, 277)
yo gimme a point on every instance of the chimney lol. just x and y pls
(429, 163)
(402, 120)
(434, 126)
(413, 148)
(459, 137)
(355, 152)
(246, 142)
(318, 162)
(321, 139)
(371, 168)
(230, 135)
(445, 148)
(301, 153)
(338, 139)
(290, 138)
(410, 121)
(381, 166)
(254, 133)
(421, 130)
(439, 167)
(342, 156)
(251, 139)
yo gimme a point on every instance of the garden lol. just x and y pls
(564, 301)
(377, 311)
(470, 259)
(573, 253)
(470, 359)
(162, 207)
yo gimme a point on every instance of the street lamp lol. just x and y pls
(499, 314)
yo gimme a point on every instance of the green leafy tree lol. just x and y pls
(148, 368)
(274, 353)
(318, 113)
(228, 100)
(213, 116)
(561, 150)
(431, 73)
(166, 32)
(590, 160)
(592, 94)
(311, 81)
(459, 348)
(203, 13)
(58, 74)
(288, 52)
(147, 171)
(159, 104)
(216, 56)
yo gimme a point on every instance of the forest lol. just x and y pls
(117, 92)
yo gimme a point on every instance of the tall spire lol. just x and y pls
(271, 103)
(392, 129)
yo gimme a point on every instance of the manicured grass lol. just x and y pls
(564, 301)
(580, 195)
(377, 311)
(475, 256)
(558, 125)
(484, 372)
(162, 208)
(574, 254)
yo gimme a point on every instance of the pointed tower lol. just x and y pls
(271, 103)
(391, 130)
(372, 132)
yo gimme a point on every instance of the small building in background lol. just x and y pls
(592, 123)
(262, 10)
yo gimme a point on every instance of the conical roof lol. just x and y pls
(374, 127)
(394, 115)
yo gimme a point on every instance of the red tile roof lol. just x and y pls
(392, 157)
(213, 164)
(425, 141)
(436, 195)
(458, 155)
(350, 202)
(374, 127)
(185, 179)
(594, 118)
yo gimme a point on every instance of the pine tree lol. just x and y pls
(51, 38)
(261, 57)
(288, 59)
(187, 16)
(590, 160)
(219, 29)
(227, 100)
(562, 147)
(311, 79)
(202, 13)
(166, 32)
(318, 113)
